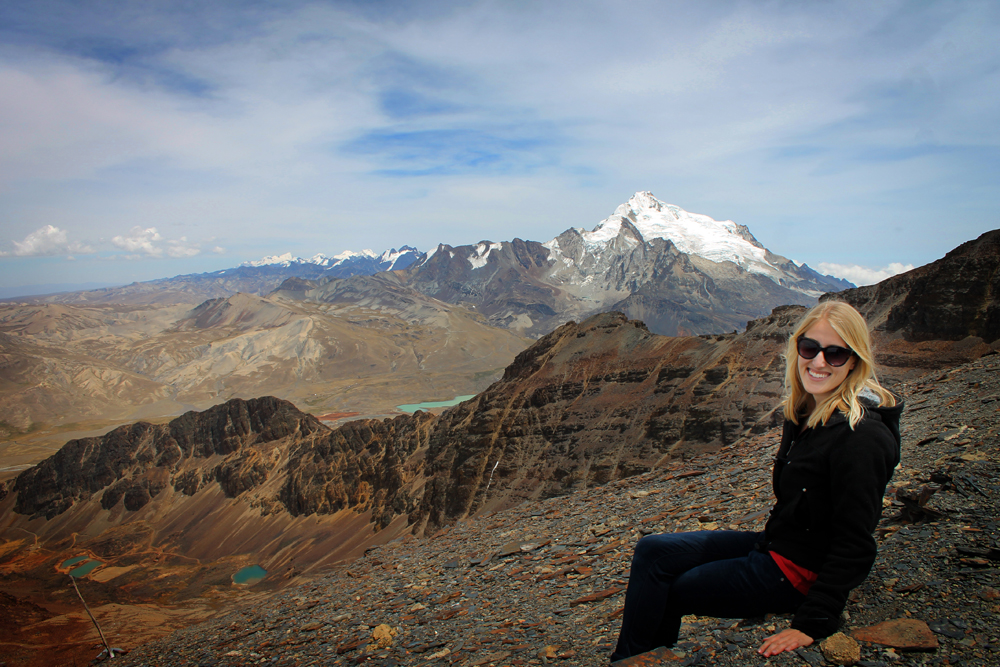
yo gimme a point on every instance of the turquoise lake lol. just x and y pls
(86, 568)
(413, 407)
(249, 575)
(73, 561)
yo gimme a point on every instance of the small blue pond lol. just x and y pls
(86, 568)
(413, 407)
(249, 575)
(73, 561)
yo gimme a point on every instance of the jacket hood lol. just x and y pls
(886, 414)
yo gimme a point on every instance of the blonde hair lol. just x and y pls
(850, 326)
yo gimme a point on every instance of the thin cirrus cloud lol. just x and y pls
(453, 151)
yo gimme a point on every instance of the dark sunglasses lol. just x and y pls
(833, 354)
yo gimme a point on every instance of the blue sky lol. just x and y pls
(147, 139)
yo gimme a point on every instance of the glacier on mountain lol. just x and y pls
(387, 261)
(644, 218)
(481, 254)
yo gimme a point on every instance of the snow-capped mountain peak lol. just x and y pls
(405, 255)
(285, 259)
(348, 254)
(691, 233)
(386, 261)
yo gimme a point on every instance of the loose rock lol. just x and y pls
(907, 634)
(840, 649)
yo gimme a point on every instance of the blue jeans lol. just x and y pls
(708, 573)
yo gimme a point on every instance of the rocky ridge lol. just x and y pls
(587, 404)
(953, 298)
(543, 583)
(678, 272)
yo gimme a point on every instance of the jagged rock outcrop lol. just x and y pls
(366, 465)
(952, 298)
(940, 314)
(133, 463)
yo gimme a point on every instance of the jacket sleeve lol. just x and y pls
(860, 468)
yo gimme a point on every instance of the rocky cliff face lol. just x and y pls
(598, 401)
(133, 464)
(950, 299)
(523, 285)
(944, 312)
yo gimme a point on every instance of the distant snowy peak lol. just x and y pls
(399, 259)
(287, 260)
(387, 261)
(275, 260)
(691, 233)
(481, 253)
(350, 254)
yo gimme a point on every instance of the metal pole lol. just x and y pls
(96, 625)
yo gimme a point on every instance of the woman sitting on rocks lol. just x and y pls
(838, 449)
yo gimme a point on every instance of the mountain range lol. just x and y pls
(679, 272)
(173, 509)
(364, 332)
(258, 277)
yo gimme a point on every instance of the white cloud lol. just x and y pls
(181, 248)
(48, 240)
(219, 250)
(863, 275)
(146, 241)
(140, 240)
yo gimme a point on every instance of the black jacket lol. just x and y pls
(829, 482)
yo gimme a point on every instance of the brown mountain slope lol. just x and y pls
(949, 299)
(586, 404)
(945, 312)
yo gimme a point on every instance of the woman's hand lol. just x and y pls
(786, 640)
